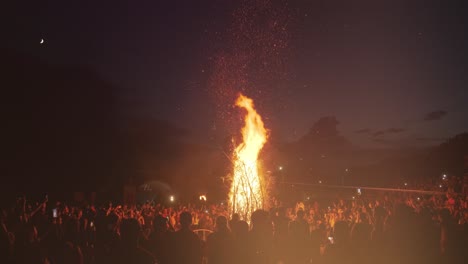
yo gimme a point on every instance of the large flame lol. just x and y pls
(247, 192)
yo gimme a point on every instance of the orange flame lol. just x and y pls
(247, 193)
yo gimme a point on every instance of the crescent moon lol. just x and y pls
(42, 41)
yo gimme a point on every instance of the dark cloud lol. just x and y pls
(363, 131)
(395, 130)
(384, 141)
(430, 139)
(392, 130)
(435, 115)
(399, 142)
(378, 133)
(411, 140)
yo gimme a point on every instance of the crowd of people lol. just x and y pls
(385, 228)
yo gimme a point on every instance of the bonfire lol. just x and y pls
(248, 192)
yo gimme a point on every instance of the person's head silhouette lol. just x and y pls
(260, 220)
(221, 223)
(130, 231)
(185, 220)
(160, 223)
(235, 217)
(300, 214)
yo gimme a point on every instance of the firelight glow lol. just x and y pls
(247, 190)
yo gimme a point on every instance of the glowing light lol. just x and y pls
(42, 41)
(320, 182)
(406, 184)
(202, 198)
(280, 168)
(171, 198)
(247, 190)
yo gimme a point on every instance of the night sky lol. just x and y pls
(392, 72)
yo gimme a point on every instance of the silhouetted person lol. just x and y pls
(379, 221)
(360, 241)
(401, 236)
(260, 238)
(317, 236)
(28, 248)
(107, 238)
(339, 249)
(281, 236)
(299, 239)
(378, 234)
(450, 247)
(186, 244)
(234, 223)
(240, 249)
(160, 240)
(130, 251)
(6, 239)
(220, 243)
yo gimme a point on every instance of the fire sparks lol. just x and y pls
(247, 190)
